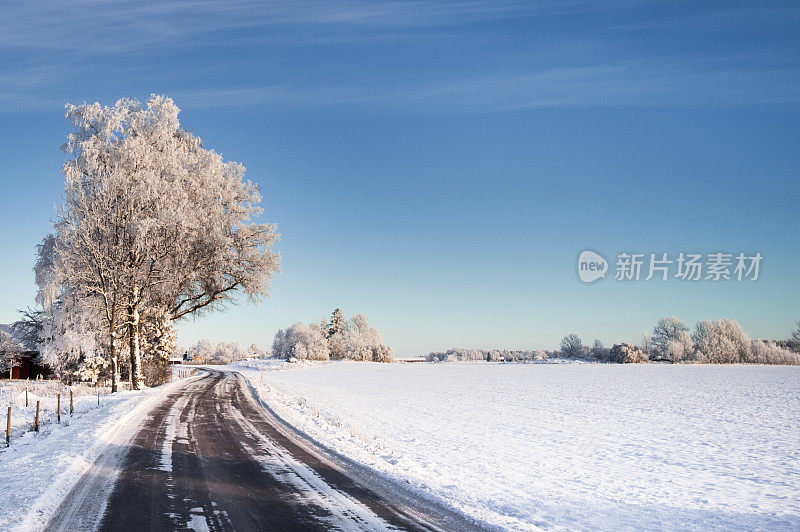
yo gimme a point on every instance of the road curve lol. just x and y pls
(210, 457)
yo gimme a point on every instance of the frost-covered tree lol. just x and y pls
(153, 223)
(721, 342)
(671, 339)
(68, 327)
(337, 344)
(202, 350)
(335, 333)
(211, 352)
(680, 348)
(72, 340)
(28, 329)
(9, 350)
(355, 339)
(571, 346)
(279, 344)
(364, 342)
(158, 340)
(647, 344)
(79, 293)
(599, 351)
(766, 352)
(337, 322)
(301, 341)
(228, 352)
(794, 339)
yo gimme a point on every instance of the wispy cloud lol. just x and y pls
(124, 26)
(613, 84)
(626, 83)
(202, 54)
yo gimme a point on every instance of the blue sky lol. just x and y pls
(438, 165)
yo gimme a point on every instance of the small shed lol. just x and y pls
(25, 367)
(26, 364)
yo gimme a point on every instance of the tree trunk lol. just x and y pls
(115, 372)
(133, 336)
(114, 364)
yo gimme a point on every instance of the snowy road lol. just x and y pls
(211, 458)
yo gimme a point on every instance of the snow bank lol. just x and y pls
(586, 446)
(39, 469)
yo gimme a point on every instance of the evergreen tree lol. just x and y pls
(337, 322)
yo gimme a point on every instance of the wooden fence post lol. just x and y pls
(8, 428)
(59, 408)
(71, 404)
(36, 421)
(26, 397)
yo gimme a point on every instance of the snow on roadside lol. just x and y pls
(590, 446)
(39, 469)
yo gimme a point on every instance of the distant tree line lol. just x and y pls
(493, 355)
(209, 352)
(353, 339)
(721, 341)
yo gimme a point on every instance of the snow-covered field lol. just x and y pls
(579, 446)
(12, 393)
(39, 469)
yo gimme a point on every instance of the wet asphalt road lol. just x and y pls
(210, 457)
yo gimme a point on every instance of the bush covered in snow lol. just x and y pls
(625, 353)
(353, 339)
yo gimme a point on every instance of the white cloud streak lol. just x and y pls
(51, 50)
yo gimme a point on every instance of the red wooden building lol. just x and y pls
(26, 368)
(25, 365)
